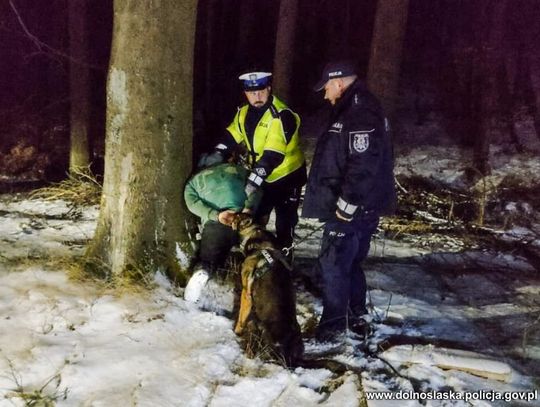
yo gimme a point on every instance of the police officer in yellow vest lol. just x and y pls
(268, 130)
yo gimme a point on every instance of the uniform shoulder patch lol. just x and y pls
(359, 140)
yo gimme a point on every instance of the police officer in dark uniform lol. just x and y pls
(350, 185)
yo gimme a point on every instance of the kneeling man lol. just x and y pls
(215, 193)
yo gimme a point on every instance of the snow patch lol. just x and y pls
(182, 256)
(470, 362)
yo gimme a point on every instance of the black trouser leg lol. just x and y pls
(364, 231)
(287, 217)
(283, 196)
(344, 246)
(216, 243)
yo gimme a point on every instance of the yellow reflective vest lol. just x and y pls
(269, 135)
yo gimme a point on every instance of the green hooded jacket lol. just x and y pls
(218, 188)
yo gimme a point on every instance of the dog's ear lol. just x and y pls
(235, 221)
(246, 221)
(241, 221)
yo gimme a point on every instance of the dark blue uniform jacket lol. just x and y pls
(353, 163)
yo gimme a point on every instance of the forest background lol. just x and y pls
(470, 70)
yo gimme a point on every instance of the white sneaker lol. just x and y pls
(195, 285)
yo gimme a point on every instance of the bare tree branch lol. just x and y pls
(41, 46)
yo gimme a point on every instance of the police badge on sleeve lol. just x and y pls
(359, 140)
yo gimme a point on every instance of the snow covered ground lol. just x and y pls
(450, 322)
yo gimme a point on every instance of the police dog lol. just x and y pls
(267, 316)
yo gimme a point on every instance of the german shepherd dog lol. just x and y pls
(267, 316)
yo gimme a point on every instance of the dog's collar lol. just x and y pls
(271, 255)
(264, 264)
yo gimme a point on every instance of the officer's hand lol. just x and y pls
(226, 217)
(341, 217)
(250, 189)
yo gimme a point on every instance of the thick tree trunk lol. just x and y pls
(534, 85)
(386, 50)
(141, 226)
(284, 53)
(79, 83)
(454, 74)
(491, 57)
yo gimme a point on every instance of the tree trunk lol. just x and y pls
(79, 83)
(455, 81)
(490, 51)
(284, 53)
(141, 227)
(534, 85)
(386, 51)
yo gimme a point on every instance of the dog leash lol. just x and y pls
(287, 250)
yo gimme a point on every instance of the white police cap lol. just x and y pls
(255, 80)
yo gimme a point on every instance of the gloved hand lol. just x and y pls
(207, 160)
(341, 216)
(250, 189)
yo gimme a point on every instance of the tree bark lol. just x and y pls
(534, 85)
(79, 83)
(284, 52)
(386, 51)
(490, 52)
(141, 226)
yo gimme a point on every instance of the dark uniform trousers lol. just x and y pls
(344, 246)
(283, 196)
(216, 243)
(285, 201)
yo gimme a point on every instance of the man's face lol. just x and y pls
(257, 98)
(333, 90)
